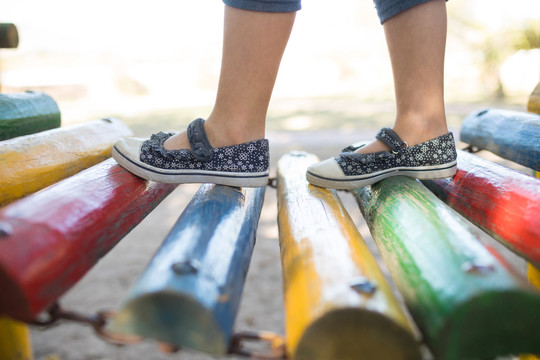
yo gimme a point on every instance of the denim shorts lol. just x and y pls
(385, 8)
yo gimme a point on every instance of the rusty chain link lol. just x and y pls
(99, 321)
(272, 182)
(275, 342)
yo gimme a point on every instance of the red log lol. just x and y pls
(503, 202)
(50, 239)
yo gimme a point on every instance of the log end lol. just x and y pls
(354, 333)
(172, 318)
(493, 324)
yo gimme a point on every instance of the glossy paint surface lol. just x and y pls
(512, 135)
(33, 162)
(466, 301)
(27, 113)
(50, 239)
(338, 304)
(503, 202)
(190, 292)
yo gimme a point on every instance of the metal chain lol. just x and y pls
(272, 182)
(275, 342)
(97, 321)
(56, 313)
(471, 149)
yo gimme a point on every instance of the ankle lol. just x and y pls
(225, 133)
(417, 130)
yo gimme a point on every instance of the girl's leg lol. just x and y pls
(421, 146)
(229, 147)
(253, 46)
(416, 41)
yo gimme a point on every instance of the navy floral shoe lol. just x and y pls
(244, 165)
(433, 159)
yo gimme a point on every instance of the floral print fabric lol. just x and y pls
(438, 151)
(248, 157)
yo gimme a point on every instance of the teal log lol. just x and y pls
(512, 135)
(190, 292)
(465, 299)
(503, 202)
(9, 36)
(27, 113)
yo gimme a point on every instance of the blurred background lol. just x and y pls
(157, 64)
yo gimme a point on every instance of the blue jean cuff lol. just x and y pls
(266, 5)
(389, 8)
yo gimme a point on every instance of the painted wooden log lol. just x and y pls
(50, 239)
(512, 135)
(14, 340)
(338, 304)
(189, 294)
(468, 303)
(27, 113)
(534, 100)
(9, 36)
(33, 162)
(503, 202)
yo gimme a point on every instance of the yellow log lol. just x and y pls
(338, 304)
(14, 340)
(534, 100)
(33, 162)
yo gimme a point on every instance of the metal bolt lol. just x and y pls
(363, 285)
(5, 229)
(483, 112)
(185, 267)
(298, 153)
(472, 267)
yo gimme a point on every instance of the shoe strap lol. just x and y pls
(200, 146)
(389, 137)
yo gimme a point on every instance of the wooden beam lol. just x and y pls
(534, 100)
(50, 239)
(467, 302)
(189, 294)
(512, 135)
(338, 304)
(27, 113)
(503, 202)
(9, 36)
(33, 162)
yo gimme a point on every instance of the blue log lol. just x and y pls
(512, 135)
(189, 294)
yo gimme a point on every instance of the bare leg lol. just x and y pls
(253, 46)
(416, 41)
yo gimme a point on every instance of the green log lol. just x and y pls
(27, 113)
(464, 297)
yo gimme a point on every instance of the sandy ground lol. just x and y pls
(106, 284)
(262, 306)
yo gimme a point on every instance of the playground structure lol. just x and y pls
(65, 205)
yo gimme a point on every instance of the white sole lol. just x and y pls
(352, 182)
(184, 176)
